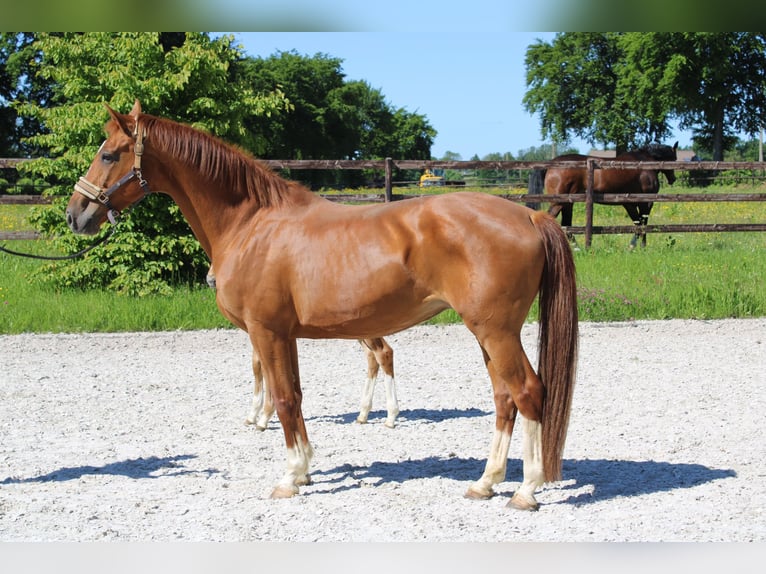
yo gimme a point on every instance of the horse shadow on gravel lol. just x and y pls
(607, 479)
(412, 415)
(136, 468)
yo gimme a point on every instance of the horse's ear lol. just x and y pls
(121, 120)
(136, 111)
(675, 147)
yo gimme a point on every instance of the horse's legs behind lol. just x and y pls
(516, 388)
(379, 354)
(262, 408)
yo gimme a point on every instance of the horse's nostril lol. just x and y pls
(70, 220)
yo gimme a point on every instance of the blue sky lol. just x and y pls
(469, 85)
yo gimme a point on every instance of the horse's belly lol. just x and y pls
(373, 320)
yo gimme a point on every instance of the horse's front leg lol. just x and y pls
(279, 360)
(644, 209)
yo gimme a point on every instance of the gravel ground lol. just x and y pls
(140, 437)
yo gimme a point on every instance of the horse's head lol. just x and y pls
(661, 152)
(114, 180)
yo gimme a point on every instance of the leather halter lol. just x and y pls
(101, 194)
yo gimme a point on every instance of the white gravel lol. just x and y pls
(140, 437)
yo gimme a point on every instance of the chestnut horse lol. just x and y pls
(560, 181)
(379, 354)
(290, 264)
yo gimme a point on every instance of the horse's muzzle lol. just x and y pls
(84, 221)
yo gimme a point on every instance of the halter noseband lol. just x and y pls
(101, 195)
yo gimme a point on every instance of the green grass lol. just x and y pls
(687, 275)
(15, 218)
(30, 307)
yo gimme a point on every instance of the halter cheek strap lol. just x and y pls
(101, 195)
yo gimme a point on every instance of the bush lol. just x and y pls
(152, 249)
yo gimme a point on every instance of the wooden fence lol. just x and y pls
(388, 166)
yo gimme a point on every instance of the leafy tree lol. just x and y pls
(190, 78)
(624, 88)
(19, 82)
(543, 152)
(572, 85)
(332, 118)
(717, 84)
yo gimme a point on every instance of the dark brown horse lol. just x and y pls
(290, 264)
(560, 181)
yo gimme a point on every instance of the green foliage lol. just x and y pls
(190, 78)
(625, 88)
(152, 249)
(331, 118)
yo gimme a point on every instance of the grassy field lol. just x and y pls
(687, 275)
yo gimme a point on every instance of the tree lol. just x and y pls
(190, 78)
(717, 83)
(331, 118)
(543, 152)
(572, 84)
(19, 82)
(625, 88)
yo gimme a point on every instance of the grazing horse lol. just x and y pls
(379, 354)
(560, 181)
(289, 264)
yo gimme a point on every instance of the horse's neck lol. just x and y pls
(209, 210)
(215, 212)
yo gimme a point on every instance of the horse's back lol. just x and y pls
(563, 180)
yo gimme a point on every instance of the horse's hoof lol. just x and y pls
(518, 502)
(361, 421)
(390, 424)
(283, 491)
(304, 480)
(473, 494)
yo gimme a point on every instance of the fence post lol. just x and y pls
(389, 170)
(589, 204)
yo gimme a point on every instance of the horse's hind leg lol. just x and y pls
(262, 408)
(516, 387)
(368, 389)
(379, 354)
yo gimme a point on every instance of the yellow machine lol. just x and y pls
(431, 178)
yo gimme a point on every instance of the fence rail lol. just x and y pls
(589, 197)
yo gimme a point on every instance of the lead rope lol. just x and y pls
(62, 257)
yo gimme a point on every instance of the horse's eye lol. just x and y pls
(108, 157)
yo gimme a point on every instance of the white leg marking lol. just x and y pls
(392, 404)
(524, 498)
(494, 472)
(298, 458)
(256, 408)
(265, 416)
(365, 406)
